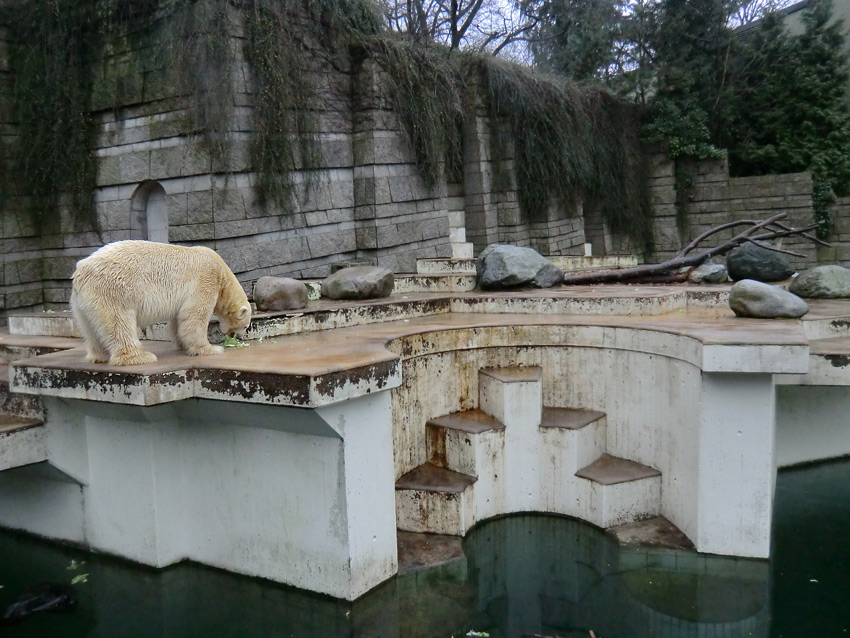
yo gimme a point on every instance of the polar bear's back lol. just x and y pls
(153, 278)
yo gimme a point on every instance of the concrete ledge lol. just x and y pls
(22, 442)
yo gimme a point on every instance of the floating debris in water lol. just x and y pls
(43, 597)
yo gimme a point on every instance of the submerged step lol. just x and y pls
(417, 550)
(22, 442)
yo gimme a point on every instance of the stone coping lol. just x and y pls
(325, 314)
(320, 368)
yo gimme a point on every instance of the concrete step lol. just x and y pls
(446, 282)
(464, 441)
(569, 263)
(462, 250)
(435, 500)
(445, 266)
(829, 364)
(512, 395)
(28, 406)
(572, 439)
(613, 491)
(22, 442)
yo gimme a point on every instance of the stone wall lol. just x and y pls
(839, 251)
(367, 201)
(717, 199)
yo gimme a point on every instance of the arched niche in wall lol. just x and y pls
(149, 213)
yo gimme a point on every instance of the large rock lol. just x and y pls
(751, 261)
(279, 293)
(359, 282)
(822, 282)
(749, 298)
(505, 266)
(709, 274)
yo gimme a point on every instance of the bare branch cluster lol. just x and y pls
(672, 269)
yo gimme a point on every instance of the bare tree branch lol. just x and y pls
(669, 270)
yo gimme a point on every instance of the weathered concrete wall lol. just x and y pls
(717, 198)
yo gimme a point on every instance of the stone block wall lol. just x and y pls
(717, 199)
(367, 200)
(839, 251)
(492, 210)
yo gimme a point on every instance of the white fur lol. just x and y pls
(127, 285)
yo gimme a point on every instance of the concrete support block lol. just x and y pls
(613, 491)
(434, 500)
(244, 487)
(610, 505)
(736, 470)
(514, 397)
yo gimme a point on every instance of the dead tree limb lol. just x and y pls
(671, 270)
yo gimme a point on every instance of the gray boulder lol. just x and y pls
(504, 266)
(749, 298)
(823, 282)
(709, 274)
(279, 293)
(751, 261)
(359, 282)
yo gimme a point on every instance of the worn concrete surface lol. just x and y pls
(685, 386)
(310, 369)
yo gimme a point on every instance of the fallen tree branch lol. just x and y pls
(775, 249)
(672, 269)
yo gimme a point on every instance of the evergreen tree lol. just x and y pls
(576, 37)
(789, 112)
(691, 58)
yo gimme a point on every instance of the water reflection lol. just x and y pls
(539, 575)
(522, 576)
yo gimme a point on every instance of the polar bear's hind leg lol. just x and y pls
(126, 349)
(96, 350)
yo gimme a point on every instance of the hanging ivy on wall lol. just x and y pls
(426, 85)
(56, 44)
(568, 140)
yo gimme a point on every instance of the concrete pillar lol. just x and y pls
(736, 470)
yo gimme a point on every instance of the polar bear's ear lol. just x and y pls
(243, 311)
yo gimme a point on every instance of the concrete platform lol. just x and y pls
(292, 447)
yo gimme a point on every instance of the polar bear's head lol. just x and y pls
(234, 322)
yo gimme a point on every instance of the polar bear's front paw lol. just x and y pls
(132, 358)
(202, 351)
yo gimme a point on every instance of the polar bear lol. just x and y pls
(127, 285)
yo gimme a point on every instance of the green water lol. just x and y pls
(522, 576)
